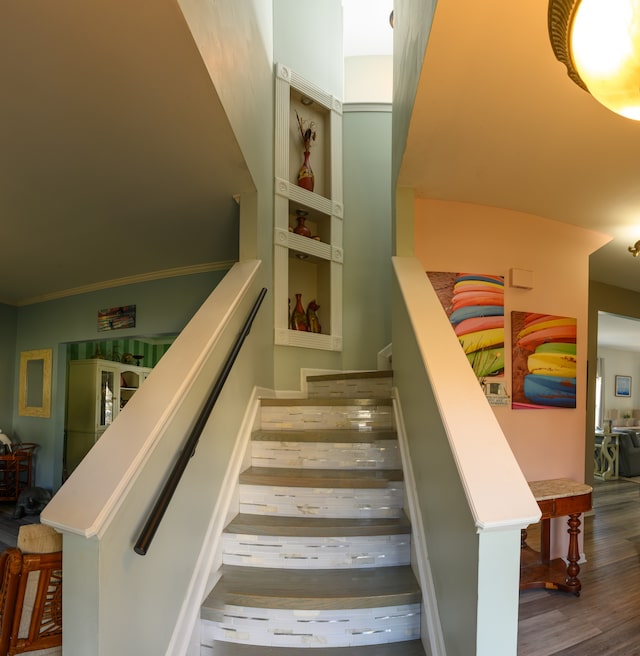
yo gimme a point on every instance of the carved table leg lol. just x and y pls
(573, 569)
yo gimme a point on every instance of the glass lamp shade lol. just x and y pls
(603, 50)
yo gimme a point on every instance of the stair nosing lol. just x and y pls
(332, 478)
(326, 401)
(310, 589)
(275, 525)
(352, 375)
(325, 435)
(400, 648)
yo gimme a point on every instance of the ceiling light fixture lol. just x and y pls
(599, 43)
(635, 249)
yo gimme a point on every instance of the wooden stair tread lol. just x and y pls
(353, 375)
(340, 478)
(312, 589)
(326, 435)
(410, 648)
(316, 526)
(337, 401)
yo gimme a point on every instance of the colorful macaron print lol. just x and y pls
(544, 361)
(477, 315)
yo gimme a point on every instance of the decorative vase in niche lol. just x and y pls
(306, 178)
(313, 324)
(299, 316)
(301, 228)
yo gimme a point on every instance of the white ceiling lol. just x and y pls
(503, 125)
(119, 148)
(618, 332)
(366, 27)
(500, 123)
(114, 146)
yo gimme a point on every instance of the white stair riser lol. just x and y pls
(322, 417)
(366, 388)
(322, 502)
(296, 552)
(322, 628)
(382, 454)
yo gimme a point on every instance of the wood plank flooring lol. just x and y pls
(605, 618)
(603, 621)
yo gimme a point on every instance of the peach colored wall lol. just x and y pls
(457, 237)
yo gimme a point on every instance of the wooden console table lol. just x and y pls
(556, 498)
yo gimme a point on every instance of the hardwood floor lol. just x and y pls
(605, 619)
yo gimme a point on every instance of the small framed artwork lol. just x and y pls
(623, 386)
(117, 318)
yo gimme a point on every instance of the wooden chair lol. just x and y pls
(31, 597)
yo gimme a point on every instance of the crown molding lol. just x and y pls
(129, 280)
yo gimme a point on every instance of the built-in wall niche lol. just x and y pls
(316, 118)
(318, 223)
(311, 278)
(307, 265)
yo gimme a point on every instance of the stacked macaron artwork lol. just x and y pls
(477, 315)
(544, 361)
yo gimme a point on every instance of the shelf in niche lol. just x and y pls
(315, 112)
(313, 282)
(313, 249)
(309, 340)
(308, 199)
(303, 265)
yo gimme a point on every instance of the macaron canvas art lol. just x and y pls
(544, 361)
(474, 304)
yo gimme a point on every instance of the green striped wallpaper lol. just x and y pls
(114, 349)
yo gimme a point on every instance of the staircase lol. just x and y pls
(318, 556)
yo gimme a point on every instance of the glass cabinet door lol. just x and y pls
(105, 410)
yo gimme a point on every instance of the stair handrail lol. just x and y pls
(188, 450)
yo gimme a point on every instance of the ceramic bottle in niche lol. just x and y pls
(301, 228)
(306, 177)
(299, 316)
(307, 129)
(312, 317)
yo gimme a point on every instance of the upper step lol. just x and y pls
(316, 543)
(346, 436)
(317, 527)
(312, 608)
(408, 648)
(325, 478)
(328, 449)
(321, 414)
(359, 384)
(312, 589)
(275, 496)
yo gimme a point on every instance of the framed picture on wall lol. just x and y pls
(623, 385)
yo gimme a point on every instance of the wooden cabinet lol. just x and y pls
(96, 392)
(15, 472)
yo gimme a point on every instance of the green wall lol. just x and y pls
(366, 315)
(366, 273)
(8, 323)
(163, 307)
